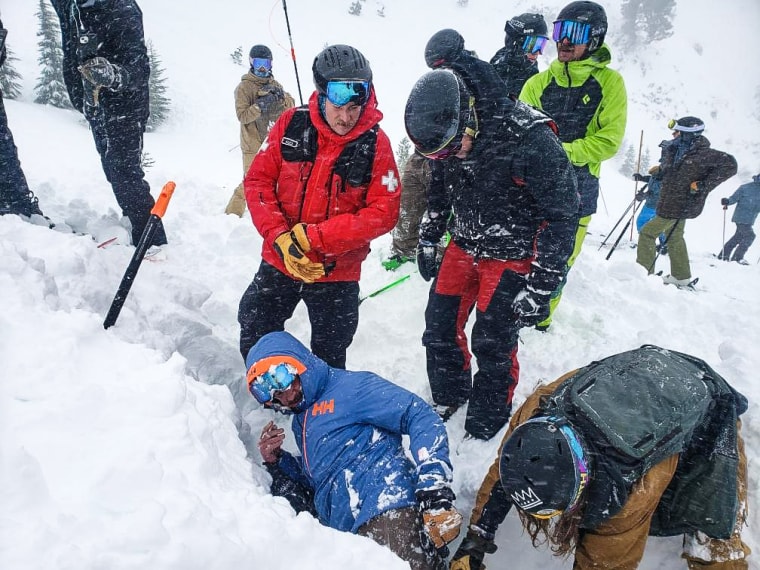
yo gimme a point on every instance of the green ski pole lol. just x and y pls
(385, 288)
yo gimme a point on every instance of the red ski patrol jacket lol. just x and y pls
(342, 218)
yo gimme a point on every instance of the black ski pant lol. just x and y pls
(14, 191)
(119, 141)
(272, 297)
(741, 240)
(463, 284)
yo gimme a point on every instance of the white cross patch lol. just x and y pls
(390, 181)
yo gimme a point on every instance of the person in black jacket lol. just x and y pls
(509, 188)
(15, 196)
(106, 71)
(524, 41)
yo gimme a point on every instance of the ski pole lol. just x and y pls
(616, 224)
(638, 169)
(723, 243)
(622, 233)
(385, 288)
(146, 239)
(292, 49)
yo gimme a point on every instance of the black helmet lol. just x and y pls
(260, 51)
(443, 47)
(543, 467)
(526, 25)
(589, 13)
(438, 113)
(340, 63)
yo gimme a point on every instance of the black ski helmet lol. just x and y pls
(524, 25)
(589, 13)
(438, 112)
(340, 63)
(543, 467)
(260, 51)
(443, 47)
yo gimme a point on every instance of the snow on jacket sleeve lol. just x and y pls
(383, 404)
(261, 182)
(349, 231)
(551, 180)
(433, 224)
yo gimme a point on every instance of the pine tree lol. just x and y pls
(50, 89)
(645, 21)
(10, 78)
(355, 9)
(159, 102)
(237, 55)
(403, 151)
(628, 167)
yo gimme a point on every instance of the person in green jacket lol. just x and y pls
(589, 103)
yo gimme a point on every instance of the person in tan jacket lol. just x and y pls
(641, 443)
(259, 101)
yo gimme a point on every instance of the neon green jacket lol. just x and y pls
(589, 103)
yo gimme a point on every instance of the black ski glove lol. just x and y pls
(724, 201)
(427, 259)
(268, 99)
(102, 73)
(531, 306)
(640, 195)
(469, 555)
(640, 177)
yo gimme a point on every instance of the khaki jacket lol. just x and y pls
(253, 130)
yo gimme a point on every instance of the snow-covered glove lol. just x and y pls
(469, 555)
(297, 264)
(427, 259)
(102, 73)
(724, 202)
(439, 517)
(531, 306)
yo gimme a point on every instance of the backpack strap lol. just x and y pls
(299, 143)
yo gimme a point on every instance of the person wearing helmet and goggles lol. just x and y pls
(627, 447)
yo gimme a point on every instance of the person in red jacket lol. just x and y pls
(322, 186)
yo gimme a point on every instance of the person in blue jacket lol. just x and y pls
(352, 471)
(650, 195)
(747, 200)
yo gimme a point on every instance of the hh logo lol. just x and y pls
(323, 408)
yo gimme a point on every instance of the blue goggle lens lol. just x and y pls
(575, 32)
(278, 377)
(340, 93)
(534, 44)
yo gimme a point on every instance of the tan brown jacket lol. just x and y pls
(254, 127)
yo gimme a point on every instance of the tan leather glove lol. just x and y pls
(298, 233)
(297, 264)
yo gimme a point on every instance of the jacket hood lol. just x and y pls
(581, 69)
(282, 343)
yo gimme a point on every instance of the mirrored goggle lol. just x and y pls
(261, 64)
(575, 32)
(278, 377)
(340, 93)
(534, 44)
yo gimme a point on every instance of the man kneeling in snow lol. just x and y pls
(352, 471)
